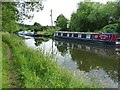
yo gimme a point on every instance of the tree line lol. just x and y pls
(89, 17)
(92, 17)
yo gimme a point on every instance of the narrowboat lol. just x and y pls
(103, 38)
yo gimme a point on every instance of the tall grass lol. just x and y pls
(0, 60)
(36, 70)
(4, 66)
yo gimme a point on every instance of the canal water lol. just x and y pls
(96, 62)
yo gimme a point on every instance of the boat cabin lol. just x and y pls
(97, 37)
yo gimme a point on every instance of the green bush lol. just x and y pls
(49, 31)
(111, 28)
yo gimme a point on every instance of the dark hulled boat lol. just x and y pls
(103, 38)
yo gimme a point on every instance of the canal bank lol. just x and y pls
(9, 72)
(35, 70)
(98, 63)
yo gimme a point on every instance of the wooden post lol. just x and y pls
(51, 19)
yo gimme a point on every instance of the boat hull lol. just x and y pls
(90, 41)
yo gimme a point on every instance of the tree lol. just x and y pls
(74, 25)
(9, 16)
(26, 9)
(14, 12)
(80, 19)
(37, 27)
(62, 22)
(111, 28)
(93, 16)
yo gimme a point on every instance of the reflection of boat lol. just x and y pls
(103, 38)
(25, 33)
(90, 57)
(102, 50)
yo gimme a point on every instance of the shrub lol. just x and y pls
(111, 28)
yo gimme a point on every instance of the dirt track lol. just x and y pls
(11, 70)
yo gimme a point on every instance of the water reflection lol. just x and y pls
(98, 49)
(98, 62)
(90, 58)
(39, 41)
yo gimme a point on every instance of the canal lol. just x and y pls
(96, 62)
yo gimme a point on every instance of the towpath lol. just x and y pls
(11, 70)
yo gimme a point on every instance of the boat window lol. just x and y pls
(83, 35)
(70, 35)
(79, 35)
(64, 34)
(75, 35)
(59, 34)
(88, 36)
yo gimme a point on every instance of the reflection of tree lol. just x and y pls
(62, 49)
(39, 41)
(87, 61)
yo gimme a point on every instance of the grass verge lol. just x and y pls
(4, 66)
(34, 70)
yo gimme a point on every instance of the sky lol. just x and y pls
(65, 7)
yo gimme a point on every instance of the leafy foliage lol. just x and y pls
(26, 9)
(111, 28)
(37, 27)
(92, 16)
(49, 31)
(9, 16)
(62, 22)
(13, 12)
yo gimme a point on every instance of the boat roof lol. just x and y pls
(83, 32)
